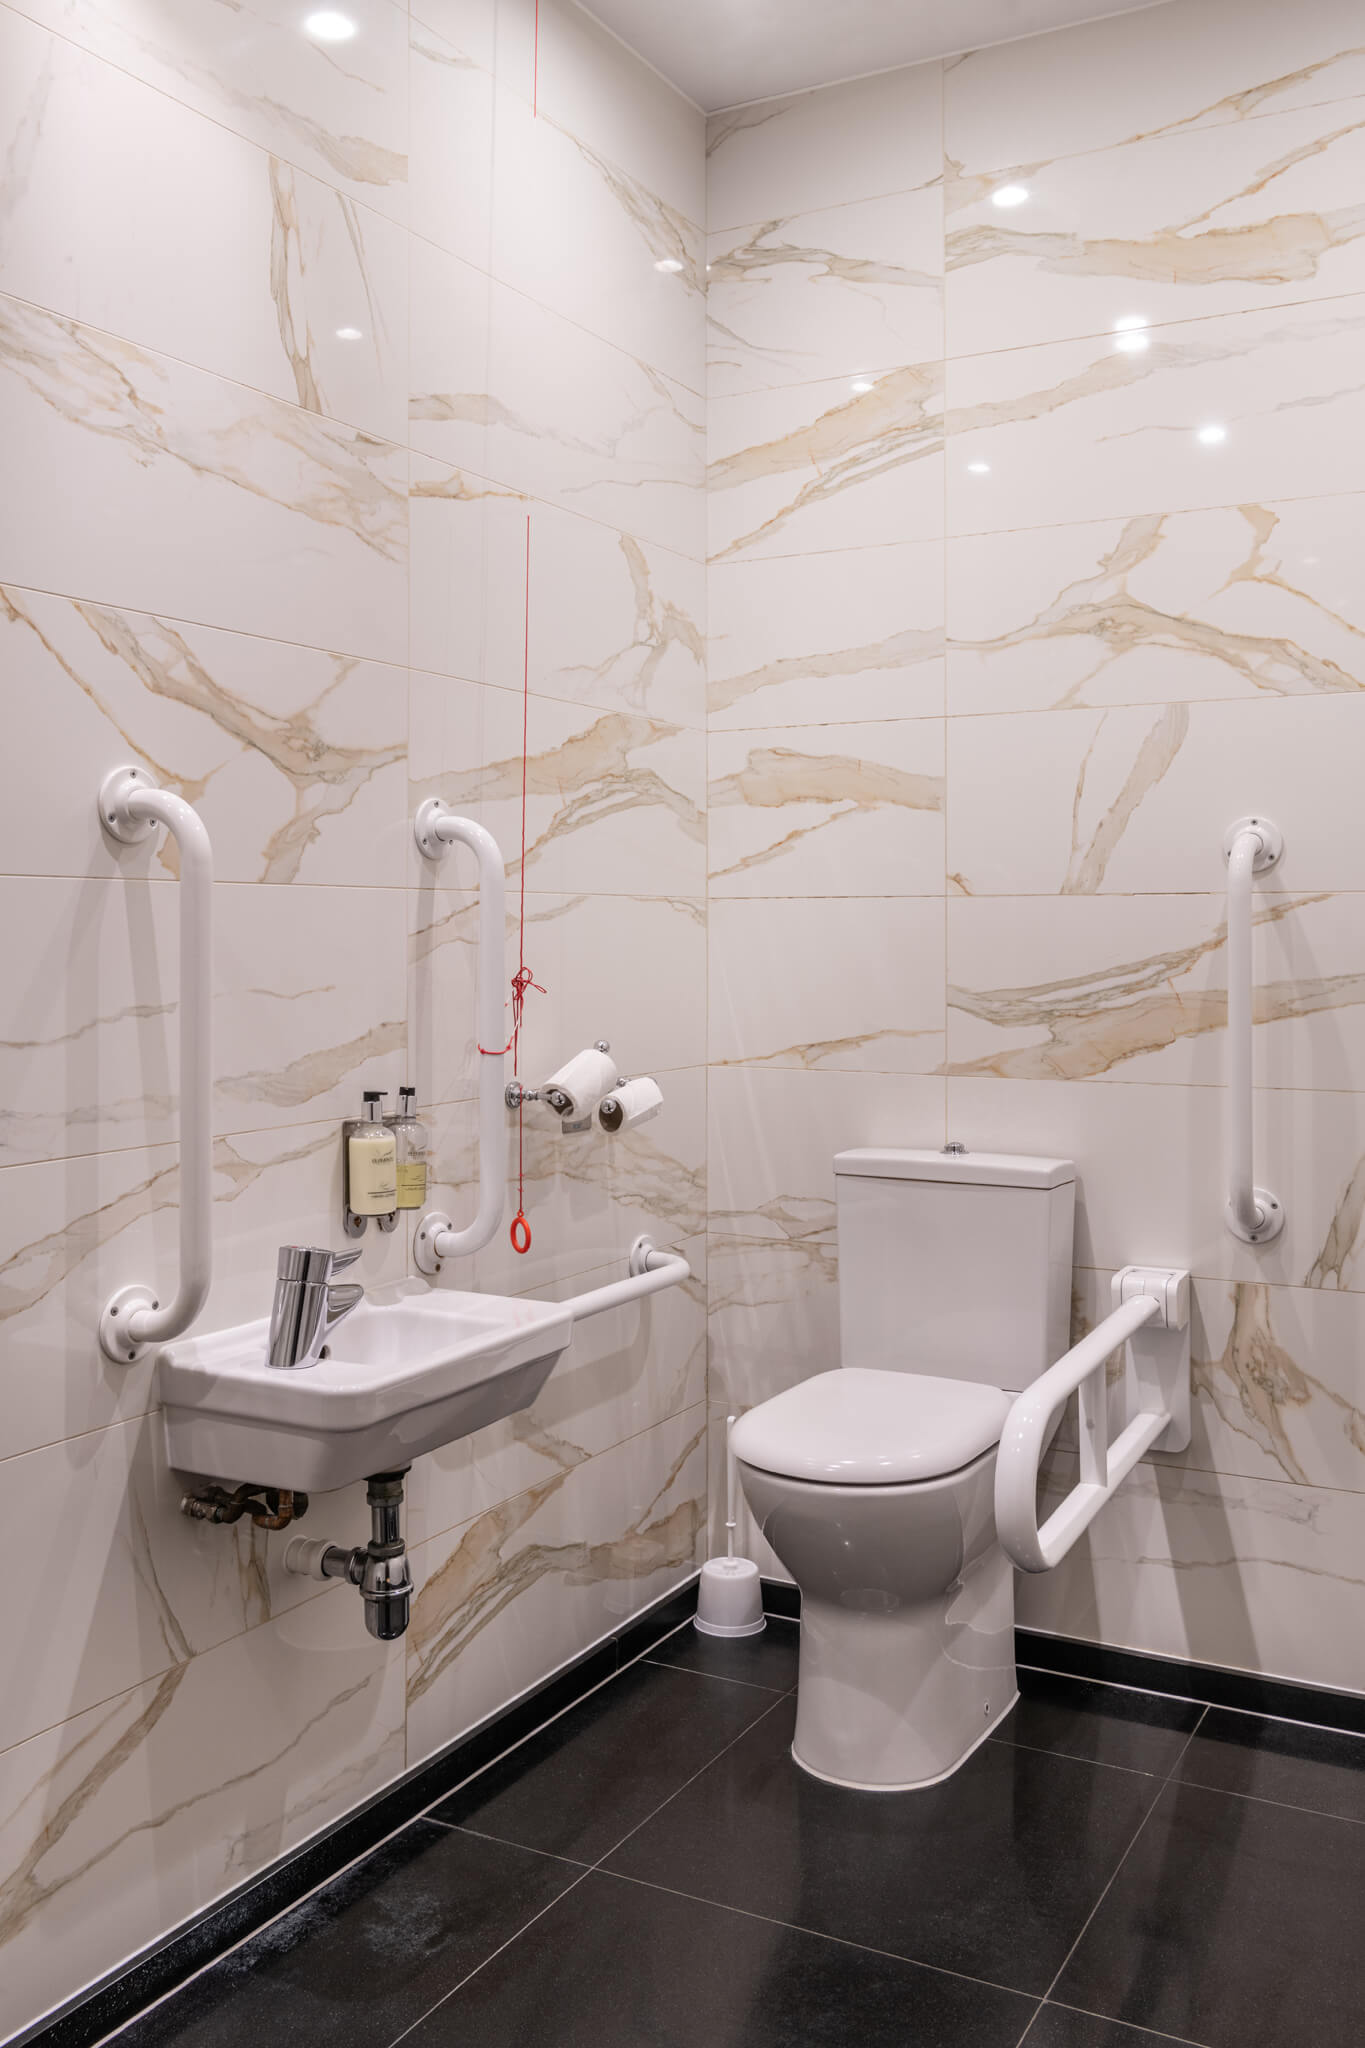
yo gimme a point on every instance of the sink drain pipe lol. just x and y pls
(379, 1568)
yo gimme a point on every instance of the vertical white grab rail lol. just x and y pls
(130, 809)
(1253, 1213)
(435, 828)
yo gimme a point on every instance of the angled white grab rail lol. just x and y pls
(130, 809)
(435, 828)
(651, 1270)
(1151, 1315)
(1253, 1213)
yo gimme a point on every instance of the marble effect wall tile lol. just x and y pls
(826, 639)
(232, 508)
(823, 811)
(453, 99)
(1136, 799)
(526, 1585)
(833, 293)
(263, 273)
(825, 982)
(1239, 601)
(113, 1825)
(1161, 229)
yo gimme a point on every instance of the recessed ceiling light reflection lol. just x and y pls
(327, 26)
(978, 469)
(862, 384)
(1009, 195)
(1130, 334)
(349, 334)
(669, 265)
(1211, 435)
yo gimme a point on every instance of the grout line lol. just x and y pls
(1139, 2034)
(1063, 1756)
(692, 1670)
(1210, 1706)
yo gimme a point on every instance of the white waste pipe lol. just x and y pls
(130, 809)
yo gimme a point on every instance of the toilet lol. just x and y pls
(874, 1482)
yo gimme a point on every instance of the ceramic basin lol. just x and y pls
(406, 1372)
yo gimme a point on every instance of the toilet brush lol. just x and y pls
(729, 1596)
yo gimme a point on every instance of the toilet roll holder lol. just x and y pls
(514, 1095)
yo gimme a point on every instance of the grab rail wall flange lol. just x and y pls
(1254, 1214)
(1151, 1316)
(130, 808)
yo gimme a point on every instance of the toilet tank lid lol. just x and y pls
(972, 1169)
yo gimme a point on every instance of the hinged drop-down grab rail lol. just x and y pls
(130, 809)
(1254, 1214)
(1151, 1316)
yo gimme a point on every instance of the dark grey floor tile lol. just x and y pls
(992, 1872)
(768, 1660)
(618, 1965)
(1313, 1767)
(582, 1783)
(1058, 2027)
(1232, 1923)
(1143, 1731)
(365, 1957)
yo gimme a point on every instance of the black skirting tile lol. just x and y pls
(359, 1961)
(1231, 1923)
(1057, 2026)
(1142, 1731)
(620, 1965)
(585, 1781)
(991, 1873)
(1312, 1767)
(768, 1660)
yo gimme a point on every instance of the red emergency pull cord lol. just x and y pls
(522, 980)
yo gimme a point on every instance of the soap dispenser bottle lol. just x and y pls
(410, 1137)
(371, 1162)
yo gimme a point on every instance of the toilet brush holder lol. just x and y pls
(729, 1596)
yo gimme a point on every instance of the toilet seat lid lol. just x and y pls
(854, 1427)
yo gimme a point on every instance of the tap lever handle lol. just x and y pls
(340, 1260)
(311, 1264)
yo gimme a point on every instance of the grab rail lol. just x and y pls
(130, 809)
(1151, 1315)
(1253, 1213)
(651, 1270)
(435, 828)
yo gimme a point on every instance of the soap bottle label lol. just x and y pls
(374, 1188)
(412, 1183)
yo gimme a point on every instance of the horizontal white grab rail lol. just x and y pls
(651, 1271)
(130, 809)
(1151, 1316)
(435, 829)
(1253, 1213)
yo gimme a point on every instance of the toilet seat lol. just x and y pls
(856, 1427)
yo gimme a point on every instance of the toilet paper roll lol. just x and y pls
(583, 1082)
(635, 1102)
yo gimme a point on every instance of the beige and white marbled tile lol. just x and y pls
(1171, 227)
(827, 982)
(613, 620)
(141, 1811)
(339, 111)
(820, 811)
(1209, 66)
(827, 465)
(1151, 1187)
(630, 969)
(1252, 600)
(588, 1196)
(833, 293)
(1276, 1378)
(74, 1230)
(626, 1370)
(451, 127)
(261, 273)
(772, 1272)
(616, 801)
(529, 401)
(850, 141)
(505, 1599)
(1136, 799)
(1134, 989)
(232, 508)
(1251, 1574)
(1240, 408)
(580, 233)
(826, 639)
(296, 760)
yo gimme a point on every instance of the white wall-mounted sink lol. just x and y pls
(404, 1373)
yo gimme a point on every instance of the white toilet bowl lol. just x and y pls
(876, 1490)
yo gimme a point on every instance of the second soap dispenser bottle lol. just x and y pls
(411, 1139)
